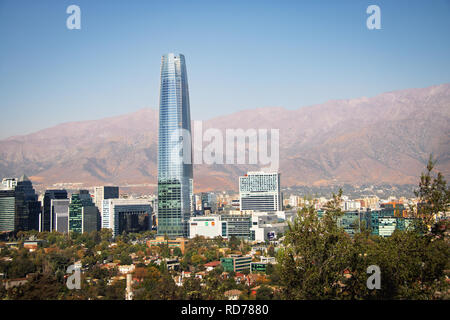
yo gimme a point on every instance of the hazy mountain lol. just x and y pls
(384, 139)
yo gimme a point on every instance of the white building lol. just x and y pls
(260, 191)
(350, 205)
(387, 226)
(103, 193)
(9, 183)
(294, 200)
(207, 226)
(267, 225)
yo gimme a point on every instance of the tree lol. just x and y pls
(433, 195)
(192, 289)
(315, 254)
(125, 259)
(177, 252)
(264, 293)
(234, 242)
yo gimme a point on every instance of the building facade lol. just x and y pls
(260, 191)
(19, 193)
(82, 213)
(236, 263)
(102, 193)
(127, 215)
(175, 174)
(60, 214)
(46, 223)
(207, 226)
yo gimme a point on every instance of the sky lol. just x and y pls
(241, 54)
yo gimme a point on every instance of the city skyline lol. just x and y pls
(270, 46)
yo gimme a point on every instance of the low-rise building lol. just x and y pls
(233, 294)
(171, 243)
(236, 263)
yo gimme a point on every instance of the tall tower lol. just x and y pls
(175, 177)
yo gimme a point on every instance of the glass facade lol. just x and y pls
(175, 176)
(82, 213)
(7, 210)
(47, 221)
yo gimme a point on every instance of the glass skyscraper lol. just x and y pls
(175, 177)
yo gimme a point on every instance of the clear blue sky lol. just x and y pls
(240, 54)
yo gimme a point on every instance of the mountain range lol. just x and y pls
(385, 139)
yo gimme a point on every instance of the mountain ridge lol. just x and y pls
(382, 139)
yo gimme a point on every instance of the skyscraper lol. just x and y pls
(47, 222)
(82, 213)
(26, 206)
(31, 201)
(175, 176)
(260, 191)
(103, 193)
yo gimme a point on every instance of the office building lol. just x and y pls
(9, 183)
(207, 226)
(7, 210)
(103, 193)
(170, 243)
(27, 207)
(60, 214)
(237, 225)
(31, 201)
(267, 226)
(127, 215)
(209, 202)
(236, 263)
(46, 220)
(82, 213)
(350, 221)
(261, 266)
(260, 191)
(175, 176)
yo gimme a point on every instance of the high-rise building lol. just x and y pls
(82, 213)
(260, 191)
(9, 183)
(175, 176)
(103, 193)
(129, 215)
(7, 210)
(27, 207)
(60, 212)
(31, 201)
(47, 221)
(209, 202)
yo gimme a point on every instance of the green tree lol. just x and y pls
(433, 195)
(264, 293)
(315, 254)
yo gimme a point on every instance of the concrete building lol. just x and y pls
(171, 243)
(129, 215)
(260, 191)
(209, 202)
(207, 226)
(46, 222)
(60, 215)
(236, 263)
(103, 193)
